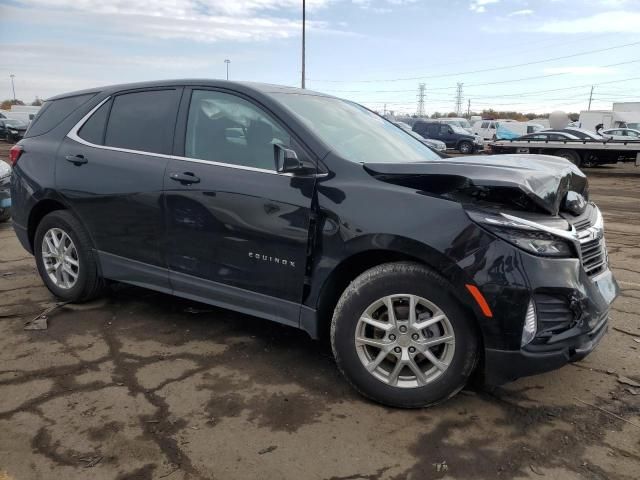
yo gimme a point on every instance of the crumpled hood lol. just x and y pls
(544, 180)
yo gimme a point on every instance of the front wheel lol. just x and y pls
(401, 338)
(65, 258)
(5, 214)
(465, 147)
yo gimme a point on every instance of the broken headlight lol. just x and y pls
(524, 235)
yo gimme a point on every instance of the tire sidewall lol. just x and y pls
(465, 147)
(55, 220)
(343, 340)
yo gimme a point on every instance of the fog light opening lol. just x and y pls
(530, 325)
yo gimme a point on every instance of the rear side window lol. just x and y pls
(93, 129)
(55, 111)
(143, 121)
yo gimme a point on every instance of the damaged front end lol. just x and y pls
(548, 279)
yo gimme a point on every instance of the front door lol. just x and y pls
(236, 228)
(111, 171)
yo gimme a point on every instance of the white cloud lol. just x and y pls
(521, 13)
(199, 20)
(581, 70)
(606, 22)
(480, 6)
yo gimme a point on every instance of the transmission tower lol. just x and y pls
(459, 100)
(421, 89)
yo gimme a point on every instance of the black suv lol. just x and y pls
(315, 212)
(453, 136)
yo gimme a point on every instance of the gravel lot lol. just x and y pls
(140, 385)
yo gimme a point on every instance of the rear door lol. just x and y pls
(234, 224)
(110, 170)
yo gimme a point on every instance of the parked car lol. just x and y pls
(317, 213)
(12, 130)
(622, 134)
(549, 135)
(429, 142)
(5, 193)
(453, 136)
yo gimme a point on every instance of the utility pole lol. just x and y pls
(13, 87)
(421, 89)
(304, 20)
(459, 99)
(227, 62)
(590, 97)
(469, 108)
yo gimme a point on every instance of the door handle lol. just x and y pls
(186, 178)
(77, 160)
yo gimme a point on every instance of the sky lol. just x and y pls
(524, 55)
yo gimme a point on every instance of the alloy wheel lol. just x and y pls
(405, 340)
(60, 258)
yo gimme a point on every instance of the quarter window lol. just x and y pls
(143, 121)
(227, 129)
(93, 129)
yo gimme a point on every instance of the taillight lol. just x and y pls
(14, 154)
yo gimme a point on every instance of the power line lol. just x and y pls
(484, 70)
(499, 82)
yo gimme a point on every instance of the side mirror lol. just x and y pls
(287, 161)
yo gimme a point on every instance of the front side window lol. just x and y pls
(228, 129)
(353, 132)
(143, 121)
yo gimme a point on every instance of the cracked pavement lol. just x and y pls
(141, 385)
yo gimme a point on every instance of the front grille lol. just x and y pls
(554, 315)
(592, 250)
(593, 256)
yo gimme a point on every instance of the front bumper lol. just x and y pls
(502, 366)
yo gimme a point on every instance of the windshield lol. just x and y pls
(355, 133)
(458, 129)
(14, 123)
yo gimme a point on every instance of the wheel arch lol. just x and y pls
(350, 267)
(38, 212)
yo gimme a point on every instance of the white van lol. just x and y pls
(487, 129)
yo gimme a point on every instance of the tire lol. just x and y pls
(363, 294)
(465, 147)
(570, 155)
(88, 284)
(5, 214)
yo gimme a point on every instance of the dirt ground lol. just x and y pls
(140, 385)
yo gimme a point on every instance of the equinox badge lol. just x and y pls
(268, 258)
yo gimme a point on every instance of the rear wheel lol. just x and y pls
(570, 155)
(65, 258)
(401, 338)
(465, 147)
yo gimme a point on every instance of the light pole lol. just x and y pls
(13, 87)
(304, 19)
(227, 61)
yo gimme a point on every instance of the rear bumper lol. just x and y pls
(502, 366)
(23, 236)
